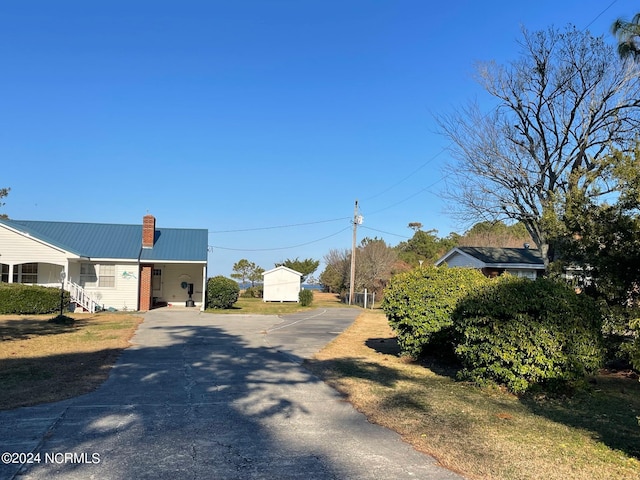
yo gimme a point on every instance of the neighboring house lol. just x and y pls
(281, 284)
(125, 267)
(492, 261)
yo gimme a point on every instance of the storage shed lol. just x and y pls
(281, 284)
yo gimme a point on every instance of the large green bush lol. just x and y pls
(521, 333)
(16, 298)
(222, 292)
(418, 303)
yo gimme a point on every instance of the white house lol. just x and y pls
(492, 261)
(125, 267)
(281, 284)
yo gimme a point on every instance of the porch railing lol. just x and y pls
(81, 297)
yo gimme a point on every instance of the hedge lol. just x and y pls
(16, 298)
(419, 303)
(520, 333)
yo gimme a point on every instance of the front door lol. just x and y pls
(156, 283)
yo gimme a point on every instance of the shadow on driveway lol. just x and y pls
(204, 397)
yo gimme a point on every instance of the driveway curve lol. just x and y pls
(202, 396)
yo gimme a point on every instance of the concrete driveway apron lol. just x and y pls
(201, 396)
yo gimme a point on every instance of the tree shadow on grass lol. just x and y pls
(25, 328)
(609, 410)
(440, 361)
(34, 380)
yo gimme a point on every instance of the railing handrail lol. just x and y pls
(80, 296)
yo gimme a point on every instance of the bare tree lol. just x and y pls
(374, 264)
(335, 276)
(560, 108)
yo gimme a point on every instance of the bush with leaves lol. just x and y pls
(16, 298)
(520, 333)
(418, 304)
(253, 292)
(305, 297)
(222, 292)
(631, 348)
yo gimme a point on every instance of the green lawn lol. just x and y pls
(256, 306)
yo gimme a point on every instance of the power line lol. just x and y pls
(406, 199)
(408, 176)
(382, 231)
(278, 226)
(211, 247)
(600, 14)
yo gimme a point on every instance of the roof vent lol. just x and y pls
(526, 246)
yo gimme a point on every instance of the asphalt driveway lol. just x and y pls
(202, 396)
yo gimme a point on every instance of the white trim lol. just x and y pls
(282, 267)
(135, 260)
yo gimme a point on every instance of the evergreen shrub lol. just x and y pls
(419, 303)
(305, 297)
(222, 292)
(17, 298)
(521, 333)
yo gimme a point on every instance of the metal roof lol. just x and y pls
(102, 240)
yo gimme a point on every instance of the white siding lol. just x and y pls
(281, 285)
(16, 248)
(123, 296)
(458, 260)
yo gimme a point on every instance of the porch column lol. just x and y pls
(146, 289)
(11, 273)
(203, 304)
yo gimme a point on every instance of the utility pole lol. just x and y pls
(357, 220)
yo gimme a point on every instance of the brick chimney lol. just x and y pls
(148, 231)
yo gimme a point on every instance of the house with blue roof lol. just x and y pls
(122, 267)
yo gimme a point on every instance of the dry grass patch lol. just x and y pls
(484, 434)
(41, 361)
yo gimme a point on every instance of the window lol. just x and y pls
(88, 276)
(92, 275)
(107, 276)
(29, 273)
(5, 273)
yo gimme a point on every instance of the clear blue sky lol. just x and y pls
(244, 114)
